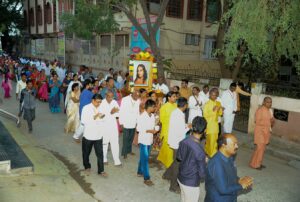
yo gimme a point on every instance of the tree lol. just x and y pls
(259, 32)
(11, 19)
(79, 25)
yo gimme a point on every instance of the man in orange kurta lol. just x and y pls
(263, 122)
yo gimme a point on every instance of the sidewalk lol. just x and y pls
(49, 182)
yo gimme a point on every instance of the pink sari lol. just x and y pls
(6, 85)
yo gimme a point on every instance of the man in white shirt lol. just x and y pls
(204, 94)
(110, 108)
(110, 73)
(177, 132)
(146, 128)
(20, 86)
(195, 104)
(229, 103)
(92, 120)
(161, 86)
(129, 112)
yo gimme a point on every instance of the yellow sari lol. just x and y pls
(166, 153)
(72, 113)
(212, 129)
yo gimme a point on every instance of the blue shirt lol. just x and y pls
(221, 181)
(192, 162)
(85, 99)
(104, 90)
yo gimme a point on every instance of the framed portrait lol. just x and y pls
(141, 72)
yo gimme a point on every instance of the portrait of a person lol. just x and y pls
(141, 75)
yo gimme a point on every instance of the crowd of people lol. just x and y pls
(172, 121)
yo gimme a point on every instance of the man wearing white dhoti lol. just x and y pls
(229, 103)
(110, 108)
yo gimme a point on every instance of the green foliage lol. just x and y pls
(267, 29)
(11, 15)
(89, 19)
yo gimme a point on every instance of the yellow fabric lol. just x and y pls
(185, 92)
(72, 114)
(166, 153)
(212, 130)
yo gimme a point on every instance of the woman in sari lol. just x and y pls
(34, 77)
(156, 140)
(6, 82)
(54, 98)
(69, 89)
(42, 86)
(73, 109)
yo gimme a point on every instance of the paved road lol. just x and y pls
(277, 183)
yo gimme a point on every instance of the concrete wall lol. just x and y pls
(288, 130)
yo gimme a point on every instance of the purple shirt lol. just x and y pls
(192, 165)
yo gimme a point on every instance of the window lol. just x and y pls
(54, 16)
(105, 41)
(213, 10)
(194, 11)
(25, 19)
(175, 9)
(31, 17)
(48, 14)
(39, 15)
(119, 40)
(192, 39)
(209, 47)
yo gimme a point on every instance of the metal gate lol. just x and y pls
(242, 117)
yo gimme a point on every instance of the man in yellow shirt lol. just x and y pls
(185, 91)
(166, 153)
(212, 111)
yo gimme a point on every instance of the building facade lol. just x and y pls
(187, 36)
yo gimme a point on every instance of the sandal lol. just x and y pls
(103, 174)
(148, 183)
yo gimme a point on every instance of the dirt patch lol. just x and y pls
(74, 172)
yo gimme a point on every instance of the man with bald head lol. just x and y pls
(264, 121)
(222, 182)
(110, 108)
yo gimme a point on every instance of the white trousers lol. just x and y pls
(79, 131)
(189, 194)
(228, 122)
(113, 139)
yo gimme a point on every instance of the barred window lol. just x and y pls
(195, 9)
(48, 13)
(39, 15)
(119, 40)
(175, 9)
(209, 47)
(31, 17)
(105, 41)
(192, 39)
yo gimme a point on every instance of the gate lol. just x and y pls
(242, 117)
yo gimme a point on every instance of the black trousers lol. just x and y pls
(128, 135)
(86, 150)
(29, 116)
(172, 172)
